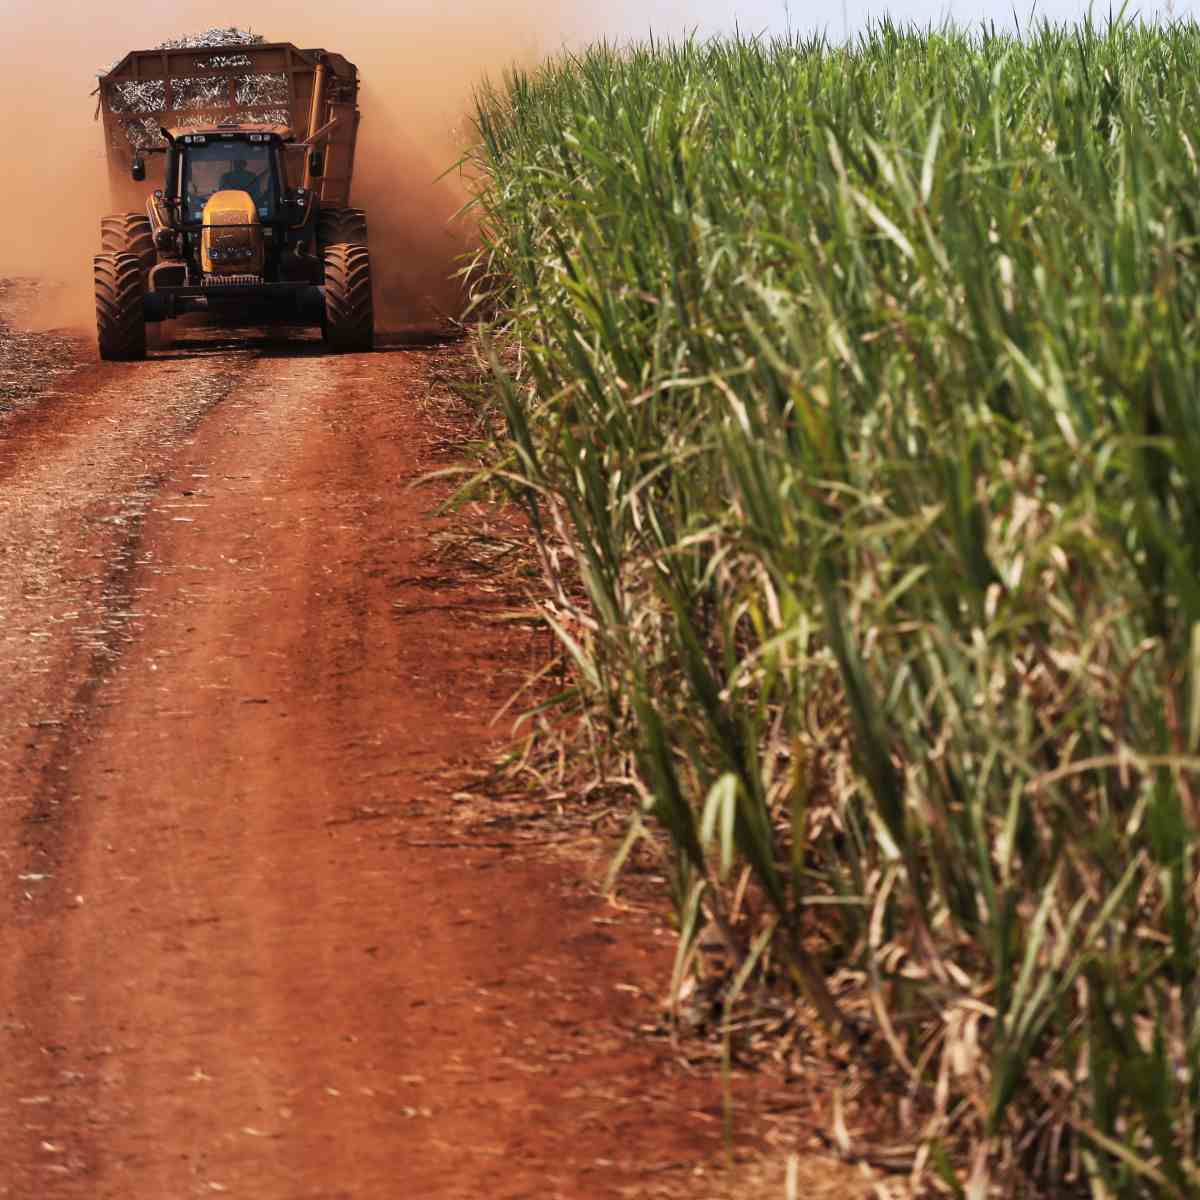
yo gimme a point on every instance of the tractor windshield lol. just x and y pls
(226, 165)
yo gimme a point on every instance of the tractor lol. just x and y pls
(249, 221)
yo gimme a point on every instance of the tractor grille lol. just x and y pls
(233, 281)
(232, 237)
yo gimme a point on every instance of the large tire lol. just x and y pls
(129, 233)
(349, 322)
(120, 322)
(336, 225)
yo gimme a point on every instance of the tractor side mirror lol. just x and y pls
(138, 169)
(316, 163)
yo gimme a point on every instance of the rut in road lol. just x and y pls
(76, 489)
(235, 702)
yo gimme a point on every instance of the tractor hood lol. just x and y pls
(232, 239)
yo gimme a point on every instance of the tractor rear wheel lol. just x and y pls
(336, 225)
(120, 322)
(128, 233)
(349, 322)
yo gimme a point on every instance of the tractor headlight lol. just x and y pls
(231, 254)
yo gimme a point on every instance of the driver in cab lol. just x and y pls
(241, 179)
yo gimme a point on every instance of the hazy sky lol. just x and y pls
(837, 17)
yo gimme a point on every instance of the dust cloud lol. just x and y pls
(419, 64)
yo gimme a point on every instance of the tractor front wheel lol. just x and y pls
(349, 322)
(120, 322)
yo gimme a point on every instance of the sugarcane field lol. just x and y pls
(599, 604)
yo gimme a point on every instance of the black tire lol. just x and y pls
(349, 323)
(120, 322)
(128, 233)
(336, 225)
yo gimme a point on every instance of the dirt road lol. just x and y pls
(242, 952)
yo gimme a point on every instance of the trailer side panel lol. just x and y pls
(263, 84)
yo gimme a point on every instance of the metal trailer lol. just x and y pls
(312, 92)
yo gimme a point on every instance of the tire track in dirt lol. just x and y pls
(255, 966)
(79, 471)
(35, 535)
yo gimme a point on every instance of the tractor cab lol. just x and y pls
(210, 165)
(247, 158)
(227, 208)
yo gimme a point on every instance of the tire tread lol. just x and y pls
(129, 233)
(338, 225)
(349, 311)
(120, 322)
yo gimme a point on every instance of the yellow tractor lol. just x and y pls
(251, 222)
